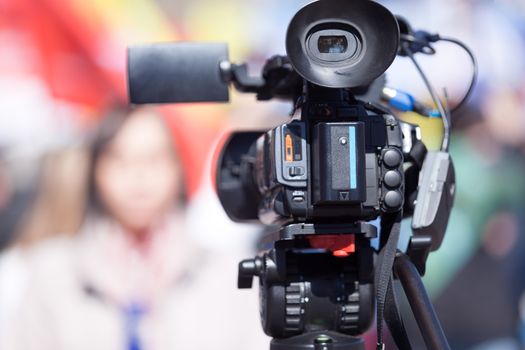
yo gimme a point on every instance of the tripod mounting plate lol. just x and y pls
(318, 341)
(289, 232)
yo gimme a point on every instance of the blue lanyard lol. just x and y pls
(133, 313)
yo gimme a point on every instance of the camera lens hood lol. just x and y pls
(341, 43)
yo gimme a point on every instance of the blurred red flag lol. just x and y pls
(83, 63)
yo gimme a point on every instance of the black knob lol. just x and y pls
(393, 200)
(392, 158)
(247, 269)
(392, 179)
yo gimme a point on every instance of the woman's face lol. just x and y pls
(137, 176)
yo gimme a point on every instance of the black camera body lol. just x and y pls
(321, 175)
(318, 179)
(342, 162)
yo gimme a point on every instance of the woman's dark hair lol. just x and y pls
(110, 125)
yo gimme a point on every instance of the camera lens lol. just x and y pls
(332, 44)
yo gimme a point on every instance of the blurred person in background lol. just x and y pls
(131, 279)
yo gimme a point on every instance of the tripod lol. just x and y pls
(420, 304)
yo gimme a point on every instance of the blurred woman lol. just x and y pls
(131, 280)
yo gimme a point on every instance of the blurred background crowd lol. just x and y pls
(111, 236)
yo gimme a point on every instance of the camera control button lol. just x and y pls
(392, 158)
(393, 199)
(296, 171)
(392, 179)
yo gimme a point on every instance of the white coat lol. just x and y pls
(79, 287)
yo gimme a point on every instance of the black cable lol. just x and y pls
(423, 45)
(475, 70)
(435, 98)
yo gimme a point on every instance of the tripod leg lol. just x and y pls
(422, 308)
